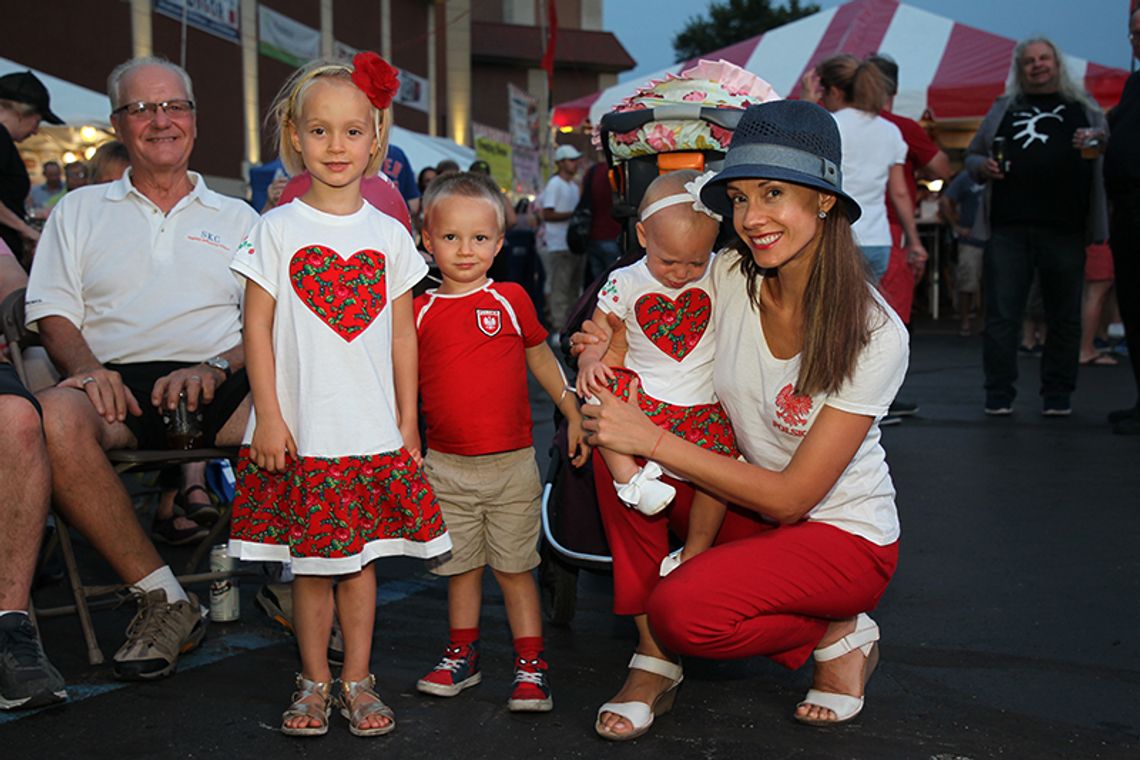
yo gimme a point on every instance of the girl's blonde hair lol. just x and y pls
(863, 84)
(286, 113)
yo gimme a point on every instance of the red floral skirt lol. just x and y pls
(706, 425)
(332, 516)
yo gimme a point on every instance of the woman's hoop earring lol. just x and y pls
(822, 214)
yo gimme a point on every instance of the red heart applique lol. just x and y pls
(675, 327)
(346, 294)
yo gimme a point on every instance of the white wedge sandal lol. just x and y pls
(865, 638)
(639, 714)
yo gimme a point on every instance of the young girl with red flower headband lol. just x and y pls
(330, 475)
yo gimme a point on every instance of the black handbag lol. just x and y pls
(578, 230)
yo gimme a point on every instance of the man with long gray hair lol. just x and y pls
(1037, 151)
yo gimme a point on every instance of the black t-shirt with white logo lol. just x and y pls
(1048, 183)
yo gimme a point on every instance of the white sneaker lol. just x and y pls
(645, 492)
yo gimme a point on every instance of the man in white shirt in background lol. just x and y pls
(564, 270)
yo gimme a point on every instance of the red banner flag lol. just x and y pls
(551, 41)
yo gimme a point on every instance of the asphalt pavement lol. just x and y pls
(1011, 629)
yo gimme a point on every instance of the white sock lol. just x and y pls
(164, 579)
(13, 612)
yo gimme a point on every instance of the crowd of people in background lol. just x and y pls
(1047, 201)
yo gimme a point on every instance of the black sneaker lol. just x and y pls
(901, 408)
(276, 601)
(1056, 405)
(1120, 415)
(1128, 426)
(27, 679)
(998, 405)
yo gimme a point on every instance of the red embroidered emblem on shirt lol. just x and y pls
(792, 408)
(346, 294)
(675, 327)
(490, 321)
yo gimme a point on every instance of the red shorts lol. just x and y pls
(1098, 263)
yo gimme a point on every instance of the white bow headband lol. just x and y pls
(691, 195)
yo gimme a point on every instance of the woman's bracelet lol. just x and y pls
(566, 389)
(660, 438)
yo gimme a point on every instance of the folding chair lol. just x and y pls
(123, 461)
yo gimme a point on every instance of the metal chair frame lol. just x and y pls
(123, 461)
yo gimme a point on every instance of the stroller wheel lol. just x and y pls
(558, 582)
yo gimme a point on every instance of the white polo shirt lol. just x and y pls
(140, 285)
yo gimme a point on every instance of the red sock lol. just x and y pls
(461, 637)
(528, 647)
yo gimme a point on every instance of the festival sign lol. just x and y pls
(523, 114)
(494, 146)
(221, 18)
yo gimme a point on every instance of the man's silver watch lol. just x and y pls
(219, 362)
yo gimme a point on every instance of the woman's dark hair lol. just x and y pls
(423, 183)
(837, 306)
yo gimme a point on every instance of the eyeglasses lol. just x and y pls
(172, 108)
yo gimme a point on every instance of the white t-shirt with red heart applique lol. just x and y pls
(334, 279)
(670, 332)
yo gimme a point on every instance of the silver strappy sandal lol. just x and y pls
(359, 701)
(310, 700)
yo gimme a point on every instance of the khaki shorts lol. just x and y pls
(969, 274)
(491, 505)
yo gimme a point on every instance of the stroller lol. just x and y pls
(682, 122)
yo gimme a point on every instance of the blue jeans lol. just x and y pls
(600, 256)
(878, 257)
(1012, 255)
(1124, 236)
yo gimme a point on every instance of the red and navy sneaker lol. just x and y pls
(457, 670)
(532, 691)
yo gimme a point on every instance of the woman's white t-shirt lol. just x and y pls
(770, 420)
(871, 146)
(332, 331)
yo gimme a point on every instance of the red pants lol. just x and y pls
(897, 285)
(761, 590)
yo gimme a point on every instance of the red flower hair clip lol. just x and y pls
(379, 81)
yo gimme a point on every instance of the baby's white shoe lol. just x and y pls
(645, 492)
(671, 562)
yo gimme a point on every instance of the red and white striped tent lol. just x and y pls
(947, 70)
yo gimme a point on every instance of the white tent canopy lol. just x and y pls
(425, 150)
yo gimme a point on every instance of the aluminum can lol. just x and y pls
(225, 604)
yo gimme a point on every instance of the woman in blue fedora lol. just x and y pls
(808, 358)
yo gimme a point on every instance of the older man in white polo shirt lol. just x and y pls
(132, 295)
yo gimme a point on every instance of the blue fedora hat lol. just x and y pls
(788, 140)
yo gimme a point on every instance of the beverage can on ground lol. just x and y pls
(225, 604)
